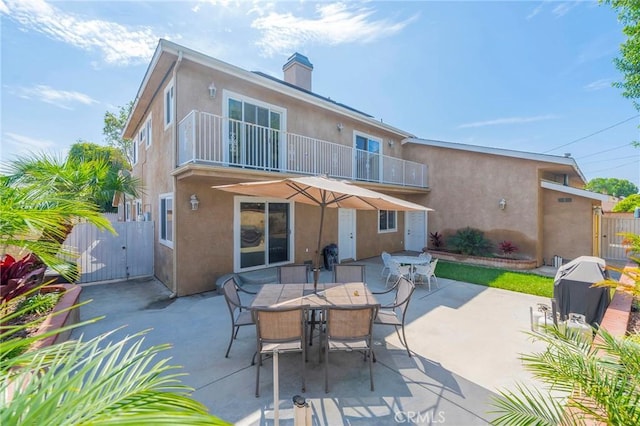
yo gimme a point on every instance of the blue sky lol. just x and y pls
(530, 76)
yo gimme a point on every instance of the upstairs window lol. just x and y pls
(148, 132)
(168, 105)
(134, 151)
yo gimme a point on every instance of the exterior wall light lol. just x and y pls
(502, 204)
(340, 127)
(194, 202)
(212, 90)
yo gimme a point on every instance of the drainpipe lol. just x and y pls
(174, 137)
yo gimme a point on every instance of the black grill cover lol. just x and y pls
(573, 292)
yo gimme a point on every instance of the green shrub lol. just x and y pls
(470, 241)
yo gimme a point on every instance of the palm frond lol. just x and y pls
(530, 407)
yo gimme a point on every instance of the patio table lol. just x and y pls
(329, 294)
(412, 261)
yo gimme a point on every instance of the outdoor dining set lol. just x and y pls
(289, 314)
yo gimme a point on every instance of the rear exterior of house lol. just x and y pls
(199, 122)
(544, 211)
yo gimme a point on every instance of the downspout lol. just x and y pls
(174, 137)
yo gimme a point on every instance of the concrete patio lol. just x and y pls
(466, 340)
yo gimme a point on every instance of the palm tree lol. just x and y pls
(70, 179)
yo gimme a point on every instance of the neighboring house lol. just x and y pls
(199, 122)
(533, 200)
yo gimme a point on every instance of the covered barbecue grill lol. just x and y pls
(573, 293)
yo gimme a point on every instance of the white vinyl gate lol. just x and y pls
(103, 256)
(612, 243)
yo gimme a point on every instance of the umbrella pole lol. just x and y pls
(316, 269)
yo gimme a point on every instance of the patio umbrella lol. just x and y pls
(323, 192)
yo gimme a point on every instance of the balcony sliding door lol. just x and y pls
(367, 158)
(255, 134)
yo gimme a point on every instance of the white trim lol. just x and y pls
(168, 113)
(134, 152)
(237, 200)
(161, 218)
(148, 125)
(573, 191)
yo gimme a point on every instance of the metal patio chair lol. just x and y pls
(395, 313)
(349, 329)
(280, 329)
(240, 314)
(348, 273)
(293, 274)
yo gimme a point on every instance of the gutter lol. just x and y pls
(174, 137)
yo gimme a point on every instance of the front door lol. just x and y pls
(415, 231)
(346, 234)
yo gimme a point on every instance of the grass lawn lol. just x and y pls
(499, 278)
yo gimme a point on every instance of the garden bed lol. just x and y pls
(495, 262)
(57, 318)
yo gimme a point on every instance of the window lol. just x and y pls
(127, 212)
(137, 211)
(168, 105)
(387, 221)
(262, 232)
(134, 151)
(166, 220)
(148, 132)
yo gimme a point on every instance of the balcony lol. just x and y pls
(210, 139)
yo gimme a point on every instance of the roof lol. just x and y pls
(554, 159)
(160, 64)
(574, 191)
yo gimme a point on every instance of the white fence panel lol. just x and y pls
(102, 256)
(612, 243)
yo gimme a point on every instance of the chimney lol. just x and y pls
(297, 71)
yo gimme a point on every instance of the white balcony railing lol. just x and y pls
(211, 139)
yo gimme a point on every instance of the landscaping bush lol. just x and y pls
(470, 241)
(436, 240)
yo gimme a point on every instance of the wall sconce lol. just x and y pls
(340, 127)
(502, 204)
(212, 90)
(390, 142)
(194, 202)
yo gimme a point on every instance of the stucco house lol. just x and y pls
(199, 122)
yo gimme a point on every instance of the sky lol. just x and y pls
(533, 76)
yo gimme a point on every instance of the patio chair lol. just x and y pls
(348, 329)
(386, 257)
(427, 272)
(280, 329)
(293, 274)
(395, 313)
(240, 314)
(425, 255)
(348, 274)
(396, 270)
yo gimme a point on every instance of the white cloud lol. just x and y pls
(118, 44)
(563, 8)
(336, 23)
(603, 83)
(535, 11)
(508, 120)
(60, 98)
(15, 144)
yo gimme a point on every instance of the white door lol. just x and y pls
(346, 234)
(415, 235)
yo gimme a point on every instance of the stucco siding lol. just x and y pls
(567, 226)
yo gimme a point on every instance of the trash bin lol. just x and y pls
(330, 253)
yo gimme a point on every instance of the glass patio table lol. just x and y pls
(412, 261)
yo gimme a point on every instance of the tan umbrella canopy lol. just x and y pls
(323, 192)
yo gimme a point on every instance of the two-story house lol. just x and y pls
(199, 122)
